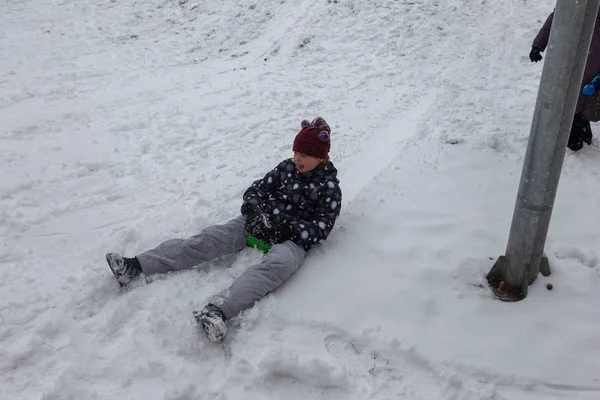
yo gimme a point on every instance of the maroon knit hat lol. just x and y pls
(314, 139)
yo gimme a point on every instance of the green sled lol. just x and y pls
(256, 243)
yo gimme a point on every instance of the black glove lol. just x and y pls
(275, 234)
(250, 210)
(253, 216)
(535, 55)
(282, 233)
(259, 225)
(263, 229)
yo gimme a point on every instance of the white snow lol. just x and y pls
(123, 124)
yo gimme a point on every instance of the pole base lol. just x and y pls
(545, 267)
(504, 292)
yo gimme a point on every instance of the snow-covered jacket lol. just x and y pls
(309, 202)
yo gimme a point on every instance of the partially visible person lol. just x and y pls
(588, 107)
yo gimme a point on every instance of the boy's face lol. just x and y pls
(306, 163)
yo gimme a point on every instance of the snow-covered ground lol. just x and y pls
(125, 123)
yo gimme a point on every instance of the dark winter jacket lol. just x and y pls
(310, 202)
(592, 67)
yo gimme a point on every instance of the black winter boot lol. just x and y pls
(586, 132)
(124, 269)
(575, 142)
(212, 320)
(581, 132)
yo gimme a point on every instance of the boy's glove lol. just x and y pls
(259, 225)
(282, 233)
(278, 234)
(535, 55)
(254, 216)
(249, 211)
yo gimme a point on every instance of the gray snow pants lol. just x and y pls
(219, 240)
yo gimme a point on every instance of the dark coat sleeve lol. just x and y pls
(541, 40)
(260, 190)
(309, 233)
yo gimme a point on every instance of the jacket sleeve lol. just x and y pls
(309, 233)
(541, 40)
(260, 190)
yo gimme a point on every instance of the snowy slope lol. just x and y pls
(125, 123)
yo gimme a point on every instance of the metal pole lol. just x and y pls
(560, 84)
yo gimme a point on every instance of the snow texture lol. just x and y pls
(126, 123)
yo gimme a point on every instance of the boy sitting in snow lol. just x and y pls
(291, 209)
